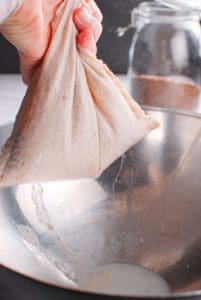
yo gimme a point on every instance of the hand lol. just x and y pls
(29, 30)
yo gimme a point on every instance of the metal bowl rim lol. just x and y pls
(79, 290)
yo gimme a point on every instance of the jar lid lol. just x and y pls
(182, 4)
(169, 8)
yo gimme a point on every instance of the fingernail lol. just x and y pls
(93, 8)
(84, 16)
(92, 5)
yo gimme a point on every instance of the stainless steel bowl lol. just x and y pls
(138, 225)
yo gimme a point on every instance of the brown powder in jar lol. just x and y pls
(168, 92)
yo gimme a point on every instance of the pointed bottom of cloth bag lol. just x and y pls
(76, 117)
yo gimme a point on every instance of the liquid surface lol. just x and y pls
(124, 280)
(168, 92)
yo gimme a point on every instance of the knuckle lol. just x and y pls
(97, 29)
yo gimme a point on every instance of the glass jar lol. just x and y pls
(165, 57)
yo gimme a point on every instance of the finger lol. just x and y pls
(94, 9)
(27, 67)
(85, 40)
(84, 20)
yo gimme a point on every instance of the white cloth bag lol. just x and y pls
(76, 117)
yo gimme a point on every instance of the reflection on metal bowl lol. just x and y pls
(140, 218)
